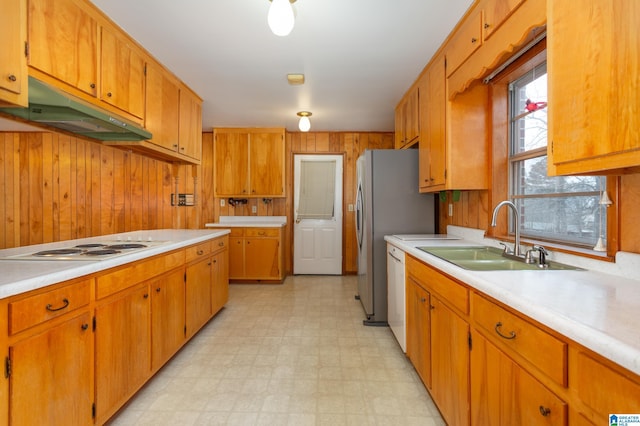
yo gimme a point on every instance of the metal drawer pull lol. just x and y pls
(512, 334)
(545, 411)
(65, 303)
(200, 252)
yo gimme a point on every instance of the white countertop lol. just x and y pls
(254, 221)
(599, 310)
(19, 276)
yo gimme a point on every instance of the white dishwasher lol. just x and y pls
(396, 300)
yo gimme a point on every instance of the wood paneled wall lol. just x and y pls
(349, 144)
(57, 187)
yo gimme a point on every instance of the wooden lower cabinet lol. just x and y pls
(198, 295)
(123, 348)
(419, 329)
(50, 380)
(255, 254)
(503, 393)
(220, 287)
(168, 304)
(450, 363)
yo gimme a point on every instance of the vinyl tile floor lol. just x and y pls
(290, 354)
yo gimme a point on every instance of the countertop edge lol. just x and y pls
(624, 353)
(54, 272)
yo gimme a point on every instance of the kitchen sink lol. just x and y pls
(489, 259)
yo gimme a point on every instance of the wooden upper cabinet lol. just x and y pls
(190, 125)
(162, 102)
(13, 62)
(432, 145)
(495, 13)
(63, 43)
(594, 75)
(231, 163)
(266, 164)
(407, 119)
(122, 70)
(249, 162)
(466, 40)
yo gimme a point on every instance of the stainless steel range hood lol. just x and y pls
(53, 107)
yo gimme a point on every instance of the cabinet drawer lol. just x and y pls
(544, 351)
(261, 232)
(198, 251)
(454, 293)
(467, 40)
(138, 272)
(605, 390)
(219, 244)
(236, 232)
(42, 307)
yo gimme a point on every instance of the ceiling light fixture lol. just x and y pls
(280, 17)
(304, 124)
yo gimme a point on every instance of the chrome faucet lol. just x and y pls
(516, 215)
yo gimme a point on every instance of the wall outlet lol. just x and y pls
(350, 207)
(221, 202)
(254, 209)
(450, 209)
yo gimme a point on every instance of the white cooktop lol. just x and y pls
(417, 237)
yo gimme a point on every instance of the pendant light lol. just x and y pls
(304, 124)
(280, 17)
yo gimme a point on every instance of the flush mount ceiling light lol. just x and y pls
(295, 79)
(304, 124)
(280, 17)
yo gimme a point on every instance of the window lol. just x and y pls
(562, 209)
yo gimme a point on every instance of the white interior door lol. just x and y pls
(317, 214)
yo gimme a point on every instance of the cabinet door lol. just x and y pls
(466, 40)
(419, 330)
(502, 393)
(63, 43)
(495, 13)
(236, 257)
(450, 363)
(261, 258)
(198, 295)
(190, 138)
(266, 164)
(122, 73)
(161, 111)
(231, 162)
(123, 340)
(594, 75)
(167, 316)
(436, 128)
(51, 376)
(13, 63)
(220, 289)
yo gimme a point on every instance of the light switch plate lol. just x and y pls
(254, 209)
(221, 202)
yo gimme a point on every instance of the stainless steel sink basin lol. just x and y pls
(489, 259)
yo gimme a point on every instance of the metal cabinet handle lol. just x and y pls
(158, 290)
(261, 233)
(92, 85)
(146, 295)
(511, 335)
(422, 299)
(109, 94)
(473, 40)
(221, 244)
(65, 303)
(486, 25)
(200, 252)
(84, 326)
(545, 411)
(12, 77)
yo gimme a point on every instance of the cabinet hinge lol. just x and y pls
(145, 70)
(185, 277)
(185, 329)
(470, 340)
(445, 173)
(93, 410)
(7, 367)
(551, 147)
(26, 49)
(93, 322)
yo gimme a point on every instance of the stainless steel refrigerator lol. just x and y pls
(387, 203)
